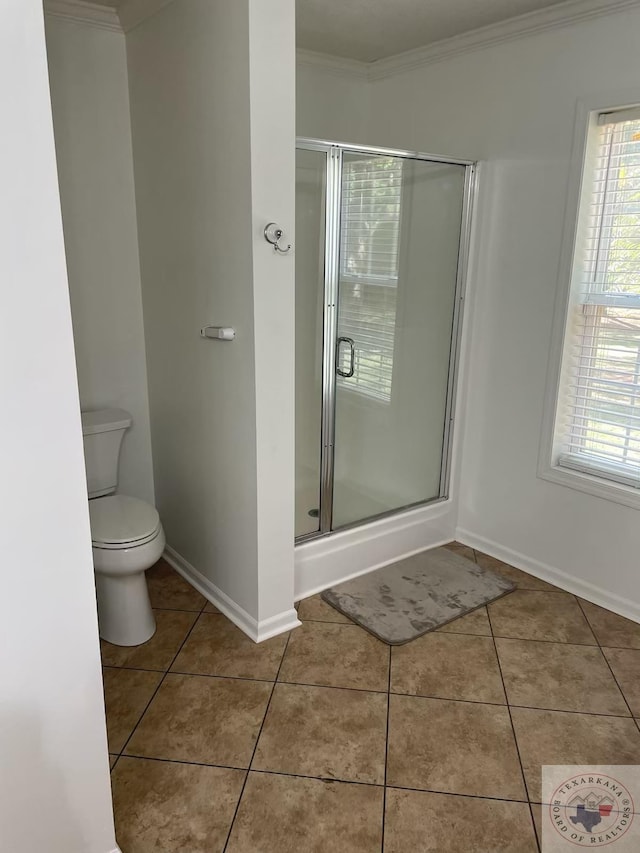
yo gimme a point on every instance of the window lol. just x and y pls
(598, 419)
(370, 217)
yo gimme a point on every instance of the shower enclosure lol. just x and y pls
(381, 244)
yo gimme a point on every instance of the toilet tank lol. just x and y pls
(103, 431)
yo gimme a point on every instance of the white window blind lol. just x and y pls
(369, 251)
(600, 420)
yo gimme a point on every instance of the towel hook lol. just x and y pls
(273, 234)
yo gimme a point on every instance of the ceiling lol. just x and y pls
(374, 29)
(368, 30)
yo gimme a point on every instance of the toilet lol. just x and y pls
(126, 533)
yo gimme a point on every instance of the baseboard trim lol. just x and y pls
(258, 631)
(569, 583)
(342, 556)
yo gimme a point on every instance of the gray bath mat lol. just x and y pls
(406, 599)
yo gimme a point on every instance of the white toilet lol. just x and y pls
(126, 534)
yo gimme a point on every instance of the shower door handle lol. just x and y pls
(352, 361)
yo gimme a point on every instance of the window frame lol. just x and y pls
(583, 153)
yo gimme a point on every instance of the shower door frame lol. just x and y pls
(334, 155)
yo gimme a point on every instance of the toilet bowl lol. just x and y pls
(127, 539)
(126, 533)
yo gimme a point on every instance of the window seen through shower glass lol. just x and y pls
(369, 251)
(399, 243)
(374, 331)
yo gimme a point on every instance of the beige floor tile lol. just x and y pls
(283, 814)
(453, 747)
(522, 579)
(560, 677)
(172, 626)
(326, 732)
(476, 622)
(449, 666)
(421, 822)
(335, 656)
(611, 629)
(625, 664)
(217, 647)
(556, 737)
(210, 608)
(126, 695)
(207, 720)
(169, 590)
(112, 760)
(314, 609)
(163, 806)
(462, 550)
(530, 615)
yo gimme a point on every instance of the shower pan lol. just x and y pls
(381, 247)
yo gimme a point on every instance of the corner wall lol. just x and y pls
(513, 107)
(90, 99)
(213, 158)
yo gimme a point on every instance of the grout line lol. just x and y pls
(378, 692)
(327, 780)
(155, 692)
(221, 675)
(255, 746)
(443, 630)
(335, 686)
(535, 827)
(606, 660)
(177, 609)
(386, 754)
(511, 705)
(456, 794)
(553, 642)
(513, 730)
(182, 761)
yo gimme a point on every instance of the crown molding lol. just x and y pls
(339, 65)
(131, 13)
(553, 17)
(134, 12)
(81, 12)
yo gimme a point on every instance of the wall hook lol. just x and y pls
(273, 234)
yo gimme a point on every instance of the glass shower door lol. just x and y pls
(400, 232)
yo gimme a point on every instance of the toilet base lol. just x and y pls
(125, 617)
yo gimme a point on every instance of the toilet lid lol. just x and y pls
(118, 519)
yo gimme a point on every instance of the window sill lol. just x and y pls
(591, 485)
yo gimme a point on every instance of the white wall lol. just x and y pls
(513, 107)
(54, 782)
(89, 91)
(213, 156)
(331, 104)
(272, 42)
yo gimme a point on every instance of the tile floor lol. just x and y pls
(329, 740)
